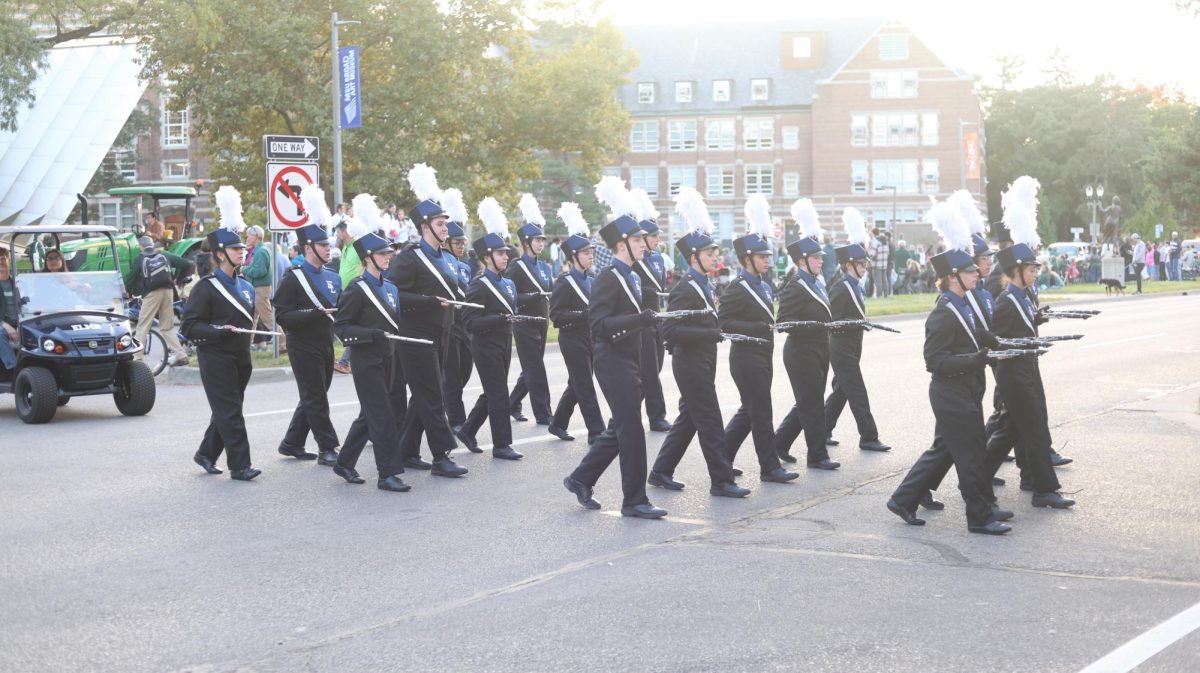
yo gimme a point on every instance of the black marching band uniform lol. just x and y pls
(304, 302)
(569, 305)
(533, 281)
(457, 358)
(652, 271)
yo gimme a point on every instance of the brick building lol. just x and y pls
(846, 112)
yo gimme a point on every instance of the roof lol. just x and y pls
(739, 52)
(162, 191)
(59, 229)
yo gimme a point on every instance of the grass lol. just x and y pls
(1148, 287)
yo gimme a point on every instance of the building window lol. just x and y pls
(858, 177)
(683, 92)
(614, 171)
(123, 162)
(909, 173)
(760, 179)
(646, 92)
(858, 130)
(908, 84)
(791, 137)
(644, 137)
(894, 84)
(758, 134)
(720, 134)
(680, 176)
(722, 90)
(929, 129)
(110, 214)
(901, 175)
(718, 181)
(908, 130)
(929, 176)
(893, 47)
(894, 130)
(801, 47)
(174, 126)
(645, 177)
(791, 184)
(760, 90)
(681, 135)
(176, 168)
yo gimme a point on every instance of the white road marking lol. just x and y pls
(1125, 340)
(1131, 655)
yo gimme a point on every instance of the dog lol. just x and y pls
(1112, 286)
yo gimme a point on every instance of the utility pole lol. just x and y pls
(335, 95)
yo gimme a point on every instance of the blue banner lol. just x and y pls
(351, 93)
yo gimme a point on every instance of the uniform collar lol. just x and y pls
(371, 280)
(312, 270)
(579, 277)
(621, 266)
(492, 276)
(429, 249)
(700, 278)
(750, 277)
(531, 261)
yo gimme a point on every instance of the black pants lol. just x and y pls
(653, 353)
(752, 377)
(1028, 426)
(427, 408)
(1137, 271)
(371, 367)
(312, 366)
(531, 351)
(807, 366)
(580, 388)
(617, 373)
(492, 358)
(457, 372)
(225, 376)
(699, 412)
(848, 386)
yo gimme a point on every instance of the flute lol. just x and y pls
(1046, 308)
(243, 330)
(516, 317)
(1014, 353)
(1024, 343)
(685, 313)
(1080, 315)
(743, 338)
(466, 304)
(396, 337)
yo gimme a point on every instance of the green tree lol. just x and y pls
(1172, 169)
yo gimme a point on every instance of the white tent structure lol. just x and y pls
(82, 99)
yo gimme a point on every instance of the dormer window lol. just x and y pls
(760, 90)
(645, 91)
(683, 92)
(722, 90)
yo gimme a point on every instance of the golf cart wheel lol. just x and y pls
(135, 389)
(36, 394)
(63, 399)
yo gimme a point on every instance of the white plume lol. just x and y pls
(572, 216)
(645, 206)
(950, 226)
(357, 228)
(454, 205)
(531, 212)
(423, 181)
(368, 213)
(964, 203)
(1022, 190)
(690, 206)
(758, 216)
(312, 198)
(805, 215)
(856, 227)
(229, 202)
(492, 217)
(611, 192)
(1022, 225)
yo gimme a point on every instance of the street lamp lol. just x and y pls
(1094, 194)
(337, 114)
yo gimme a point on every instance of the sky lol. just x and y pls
(1148, 41)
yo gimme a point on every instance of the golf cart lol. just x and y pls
(74, 336)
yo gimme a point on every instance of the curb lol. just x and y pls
(190, 376)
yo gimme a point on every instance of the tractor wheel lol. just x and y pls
(135, 389)
(36, 393)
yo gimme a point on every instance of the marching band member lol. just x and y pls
(222, 302)
(491, 331)
(304, 303)
(806, 351)
(653, 273)
(693, 344)
(569, 311)
(532, 278)
(457, 358)
(748, 307)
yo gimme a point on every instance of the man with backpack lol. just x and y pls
(156, 271)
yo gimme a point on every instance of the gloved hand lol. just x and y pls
(981, 357)
(378, 335)
(648, 318)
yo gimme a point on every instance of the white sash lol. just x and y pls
(1021, 310)
(758, 298)
(651, 275)
(237, 304)
(625, 285)
(857, 302)
(700, 291)
(801, 283)
(378, 305)
(578, 290)
(963, 321)
(498, 293)
(437, 274)
(978, 310)
(308, 290)
(536, 282)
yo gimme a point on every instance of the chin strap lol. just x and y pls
(317, 254)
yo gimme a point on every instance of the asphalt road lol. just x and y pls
(119, 554)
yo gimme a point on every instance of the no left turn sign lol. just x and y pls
(284, 182)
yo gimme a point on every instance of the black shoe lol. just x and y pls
(206, 463)
(245, 474)
(506, 453)
(328, 458)
(660, 425)
(349, 474)
(296, 452)
(786, 457)
(991, 528)
(1008, 458)
(737, 471)
(873, 445)
(545, 420)
(517, 415)
(910, 518)
(582, 492)
(646, 511)
(830, 441)
(930, 503)
(444, 467)
(468, 441)
(997, 481)
(824, 464)
(1000, 514)
(1051, 499)
(780, 475)
(562, 434)
(664, 481)
(394, 484)
(728, 490)
(1058, 460)
(415, 463)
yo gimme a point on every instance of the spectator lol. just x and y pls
(154, 227)
(9, 313)
(555, 256)
(880, 269)
(294, 255)
(349, 268)
(1094, 267)
(1139, 259)
(1072, 273)
(830, 265)
(156, 274)
(1174, 254)
(54, 262)
(259, 275)
(602, 255)
(900, 259)
(1152, 261)
(1049, 279)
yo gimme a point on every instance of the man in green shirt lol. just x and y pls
(259, 274)
(349, 268)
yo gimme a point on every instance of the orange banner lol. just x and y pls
(970, 152)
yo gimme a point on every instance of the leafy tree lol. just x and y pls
(1173, 169)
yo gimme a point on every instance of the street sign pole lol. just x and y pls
(335, 94)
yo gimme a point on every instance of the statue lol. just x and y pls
(1110, 233)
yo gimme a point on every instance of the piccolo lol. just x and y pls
(243, 330)
(516, 317)
(1064, 337)
(873, 325)
(1024, 343)
(1046, 309)
(395, 337)
(1014, 353)
(834, 324)
(743, 338)
(1080, 315)
(685, 313)
(466, 304)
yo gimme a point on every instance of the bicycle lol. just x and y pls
(155, 353)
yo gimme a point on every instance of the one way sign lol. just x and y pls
(292, 148)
